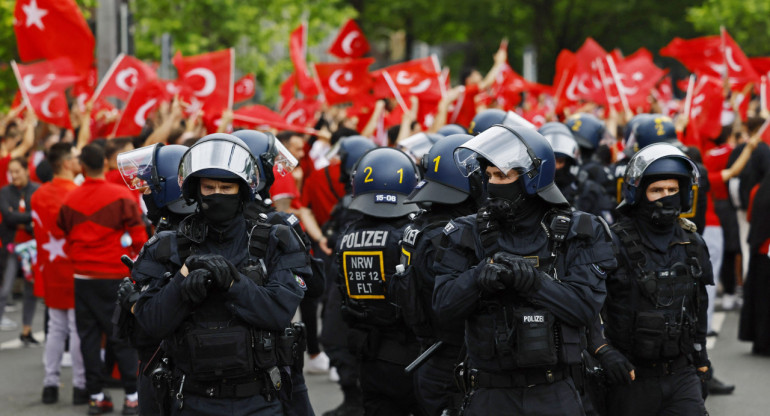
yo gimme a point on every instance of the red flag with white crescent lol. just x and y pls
(210, 77)
(141, 103)
(125, 74)
(244, 88)
(342, 81)
(42, 85)
(298, 52)
(350, 42)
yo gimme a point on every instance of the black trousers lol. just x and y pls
(387, 389)
(94, 305)
(674, 394)
(435, 385)
(556, 399)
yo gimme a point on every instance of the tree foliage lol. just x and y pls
(746, 20)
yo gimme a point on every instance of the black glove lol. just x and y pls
(490, 278)
(195, 286)
(616, 366)
(222, 271)
(525, 278)
(700, 359)
(127, 294)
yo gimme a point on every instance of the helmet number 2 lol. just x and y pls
(436, 160)
(659, 126)
(368, 171)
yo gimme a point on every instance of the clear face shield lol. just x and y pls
(498, 145)
(416, 146)
(645, 157)
(564, 144)
(137, 167)
(283, 161)
(514, 120)
(222, 159)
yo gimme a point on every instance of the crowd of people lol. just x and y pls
(503, 265)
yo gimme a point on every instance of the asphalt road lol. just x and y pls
(21, 377)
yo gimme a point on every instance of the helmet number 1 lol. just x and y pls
(401, 175)
(436, 160)
(368, 171)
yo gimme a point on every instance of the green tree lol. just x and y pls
(745, 20)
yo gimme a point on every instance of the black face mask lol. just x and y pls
(220, 208)
(563, 177)
(662, 213)
(505, 200)
(153, 212)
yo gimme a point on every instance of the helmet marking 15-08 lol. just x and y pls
(382, 179)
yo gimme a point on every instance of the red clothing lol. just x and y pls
(4, 177)
(113, 176)
(94, 217)
(285, 187)
(318, 194)
(467, 103)
(715, 161)
(55, 271)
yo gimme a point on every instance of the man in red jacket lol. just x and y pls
(55, 273)
(101, 222)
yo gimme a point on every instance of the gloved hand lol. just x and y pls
(490, 278)
(616, 366)
(705, 377)
(525, 278)
(703, 368)
(127, 294)
(195, 286)
(223, 272)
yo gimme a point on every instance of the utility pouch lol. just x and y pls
(286, 347)
(649, 333)
(671, 343)
(220, 353)
(404, 290)
(265, 347)
(535, 343)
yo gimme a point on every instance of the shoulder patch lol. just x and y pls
(688, 225)
(450, 227)
(300, 282)
(292, 219)
(410, 235)
(599, 270)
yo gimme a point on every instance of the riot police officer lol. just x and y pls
(153, 168)
(444, 194)
(525, 274)
(221, 295)
(491, 116)
(334, 331)
(589, 132)
(367, 255)
(580, 191)
(655, 313)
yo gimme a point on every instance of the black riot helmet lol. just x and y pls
(382, 179)
(561, 140)
(269, 154)
(349, 150)
(443, 182)
(218, 156)
(587, 129)
(492, 116)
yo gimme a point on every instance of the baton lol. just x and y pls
(419, 361)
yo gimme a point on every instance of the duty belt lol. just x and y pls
(660, 368)
(519, 378)
(225, 389)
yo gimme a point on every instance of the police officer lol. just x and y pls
(444, 194)
(367, 255)
(153, 168)
(334, 331)
(491, 116)
(220, 296)
(525, 274)
(581, 192)
(589, 132)
(655, 313)
(269, 155)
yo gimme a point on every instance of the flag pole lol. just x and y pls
(317, 82)
(393, 88)
(17, 74)
(106, 76)
(560, 87)
(763, 94)
(688, 98)
(606, 87)
(618, 84)
(232, 76)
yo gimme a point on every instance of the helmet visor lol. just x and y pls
(220, 159)
(645, 157)
(501, 147)
(514, 120)
(416, 146)
(284, 162)
(137, 167)
(563, 144)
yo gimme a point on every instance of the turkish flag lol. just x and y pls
(43, 84)
(664, 93)
(210, 76)
(48, 29)
(287, 91)
(259, 117)
(350, 42)
(564, 81)
(637, 75)
(701, 55)
(739, 68)
(705, 111)
(125, 74)
(244, 88)
(298, 53)
(761, 65)
(142, 101)
(420, 77)
(341, 81)
(588, 82)
(301, 112)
